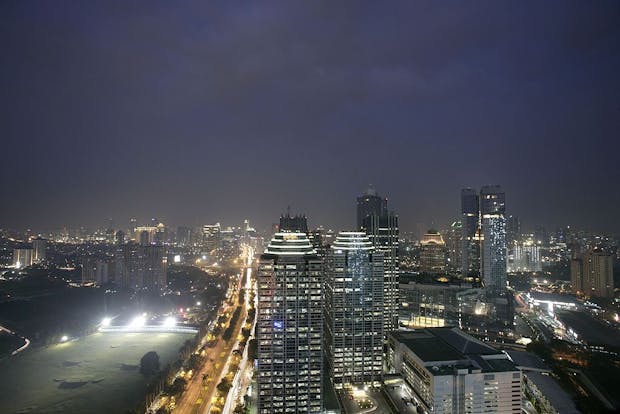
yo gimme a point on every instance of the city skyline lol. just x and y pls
(177, 121)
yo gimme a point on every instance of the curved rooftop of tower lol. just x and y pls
(352, 240)
(290, 244)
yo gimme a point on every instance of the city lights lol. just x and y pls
(169, 322)
(137, 322)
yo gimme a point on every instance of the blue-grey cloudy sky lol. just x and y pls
(202, 111)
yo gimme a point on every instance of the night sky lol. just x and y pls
(196, 112)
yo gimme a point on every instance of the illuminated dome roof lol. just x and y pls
(290, 244)
(352, 240)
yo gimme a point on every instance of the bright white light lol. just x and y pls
(64, 338)
(106, 321)
(169, 322)
(177, 258)
(198, 303)
(137, 322)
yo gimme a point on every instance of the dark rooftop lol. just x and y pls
(451, 344)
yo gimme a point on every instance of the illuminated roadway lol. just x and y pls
(197, 398)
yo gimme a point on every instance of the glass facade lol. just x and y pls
(354, 311)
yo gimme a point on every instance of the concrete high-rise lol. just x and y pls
(22, 256)
(470, 236)
(290, 326)
(592, 274)
(354, 311)
(39, 250)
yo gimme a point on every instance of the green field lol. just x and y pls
(96, 374)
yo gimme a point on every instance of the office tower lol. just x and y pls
(431, 304)
(470, 220)
(295, 224)
(290, 326)
(39, 249)
(453, 237)
(354, 311)
(493, 223)
(22, 256)
(592, 274)
(369, 204)
(451, 372)
(432, 253)
(211, 237)
(383, 233)
(513, 229)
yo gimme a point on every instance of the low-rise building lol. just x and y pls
(452, 372)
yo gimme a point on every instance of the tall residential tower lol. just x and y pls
(354, 311)
(290, 326)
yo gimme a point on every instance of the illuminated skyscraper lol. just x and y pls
(354, 311)
(383, 233)
(211, 236)
(432, 253)
(493, 222)
(470, 210)
(22, 256)
(290, 326)
(39, 249)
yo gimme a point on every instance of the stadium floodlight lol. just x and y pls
(137, 322)
(169, 322)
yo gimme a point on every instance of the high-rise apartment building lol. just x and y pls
(383, 233)
(354, 311)
(141, 267)
(493, 223)
(432, 253)
(470, 239)
(290, 326)
(39, 250)
(22, 256)
(592, 274)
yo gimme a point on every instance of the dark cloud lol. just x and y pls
(205, 111)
